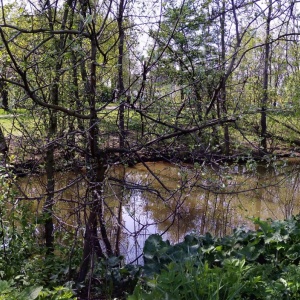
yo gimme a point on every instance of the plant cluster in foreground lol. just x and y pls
(262, 264)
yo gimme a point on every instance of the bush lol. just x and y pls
(261, 264)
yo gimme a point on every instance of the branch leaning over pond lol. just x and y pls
(285, 125)
(169, 136)
(190, 130)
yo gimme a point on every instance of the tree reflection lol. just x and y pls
(169, 200)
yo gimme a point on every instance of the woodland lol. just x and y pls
(89, 89)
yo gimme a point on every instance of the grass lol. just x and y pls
(13, 111)
(6, 124)
(10, 124)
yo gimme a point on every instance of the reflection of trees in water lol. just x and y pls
(278, 192)
(136, 205)
(69, 203)
(194, 212)
(287, 194)
(179, 211)
(197, 210)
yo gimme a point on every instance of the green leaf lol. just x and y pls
(113, 261)
(250, 252)
(155, 245)
(264, 225)
(88, 19)
(4, 286)
(294, 252)
(31, 293)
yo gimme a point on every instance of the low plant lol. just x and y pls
(25, 271)
(262, 264)
(111, 279)
(9, 291)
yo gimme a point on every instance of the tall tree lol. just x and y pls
(266, 80)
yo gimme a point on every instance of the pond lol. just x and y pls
(172, 200)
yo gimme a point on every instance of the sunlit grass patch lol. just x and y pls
(13, 111)
(14, 123)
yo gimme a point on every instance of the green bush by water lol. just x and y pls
(261, 264)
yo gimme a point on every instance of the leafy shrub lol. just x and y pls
(262, 264)
(25, 271)
(111, 280)
(8, 291)
(194, 280)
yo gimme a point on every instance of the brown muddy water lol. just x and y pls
(174, 200)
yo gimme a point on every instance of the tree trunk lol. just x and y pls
(97, 164)
(52, 131)
(4, 95)
(48, 206)
(3, 145)
(121, 89)
(264, 101)
(223, 84)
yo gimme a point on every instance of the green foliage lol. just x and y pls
(193, 280)
(14, 121)
(112, 280)
(262, 264)
(106, 94)
(25, 272)
(8, 291)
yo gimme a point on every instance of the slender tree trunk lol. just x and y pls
(49, 159)
(3, 145)
(120, 195)
(48, 206)
(264, 101)
(4, 94)
(121, 99)
(223, 84)
(97, 164)
(121, 89)
(52, 130)
(75, 102)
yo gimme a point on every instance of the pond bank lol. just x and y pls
(35, 166)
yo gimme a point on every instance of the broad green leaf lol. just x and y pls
(264, 225)
(294, 252)
(30, 293)
(4, 285)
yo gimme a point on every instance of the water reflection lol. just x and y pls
(173, 200)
